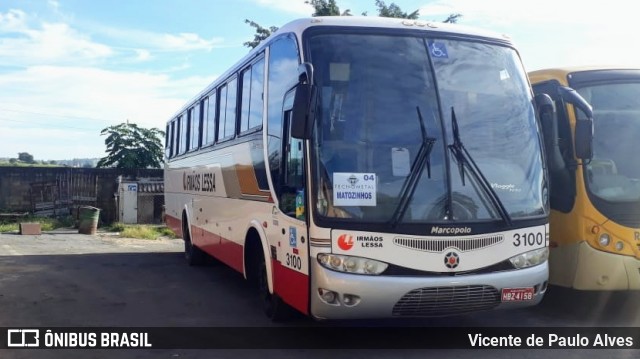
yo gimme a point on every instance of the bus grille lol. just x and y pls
(439, 245)
(441, 301)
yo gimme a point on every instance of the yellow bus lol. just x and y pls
(595, 200)
(367, 167)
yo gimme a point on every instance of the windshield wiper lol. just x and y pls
(410, 184)
(464, 158)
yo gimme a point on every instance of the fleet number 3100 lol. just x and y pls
(529, 239)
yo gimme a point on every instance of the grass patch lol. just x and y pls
(8, 227)
(46, 223)
(141, 231)
(116, 227)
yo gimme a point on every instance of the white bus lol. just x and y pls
(367, 167)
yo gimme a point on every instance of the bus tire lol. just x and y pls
(272, 304)
(194, 255)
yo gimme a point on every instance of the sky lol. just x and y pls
(70, 68)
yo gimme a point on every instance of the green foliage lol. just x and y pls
(8, 227)
(46, 223)
(330, 8)
(131, 146)
(22, 164)
(393, 10)
(453, 18)
(261, 33)
(326, 8)
(166, 232)
(116, 227)
(141, 231)
(321, 8)
(25, 157)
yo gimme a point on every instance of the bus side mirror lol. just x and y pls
(584, 127)
(302, 113)
(584, 139)
(549, 124)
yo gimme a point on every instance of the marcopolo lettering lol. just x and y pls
(450, 230)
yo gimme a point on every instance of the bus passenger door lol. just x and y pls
(291, 267)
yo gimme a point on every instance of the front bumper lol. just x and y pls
(599, 270)
(384, 296)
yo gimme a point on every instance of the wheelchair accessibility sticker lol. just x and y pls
(438, 50)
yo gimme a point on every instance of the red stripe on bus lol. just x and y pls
(174, 224)
(291, 286)
(224, 250)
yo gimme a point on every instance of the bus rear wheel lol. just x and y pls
(272, 305)
(194, 255)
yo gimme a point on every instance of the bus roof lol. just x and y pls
(561, 73)
(300, 25)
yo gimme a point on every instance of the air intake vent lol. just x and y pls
(440, 244)
(441, 301)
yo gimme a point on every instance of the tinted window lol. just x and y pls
(172, 136)
(222, 104)
(246, 100)
(614, 171)
(257, 88)
(182, 134)
(167, 147)
(227, 122)
(230, 117)
(252, 96)
(283, 72)
(194, 114)
(209, 122)
(385, 123)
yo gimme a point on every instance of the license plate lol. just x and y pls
(517, 294)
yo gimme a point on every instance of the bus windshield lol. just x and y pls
(383, 144)
(614, 171)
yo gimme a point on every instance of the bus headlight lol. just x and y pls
(530, 259)
(604, 239)
(619, 246)
(350, 264)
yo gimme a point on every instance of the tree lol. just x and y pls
(326, 8)
(393, 10)
(131, 146)
(261, 33)
(25, 157)
(13, 161)
(330, 8)
(453, 18)
(320, 7)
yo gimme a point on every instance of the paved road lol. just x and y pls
(67, 279)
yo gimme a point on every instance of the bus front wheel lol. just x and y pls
(273, 306)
